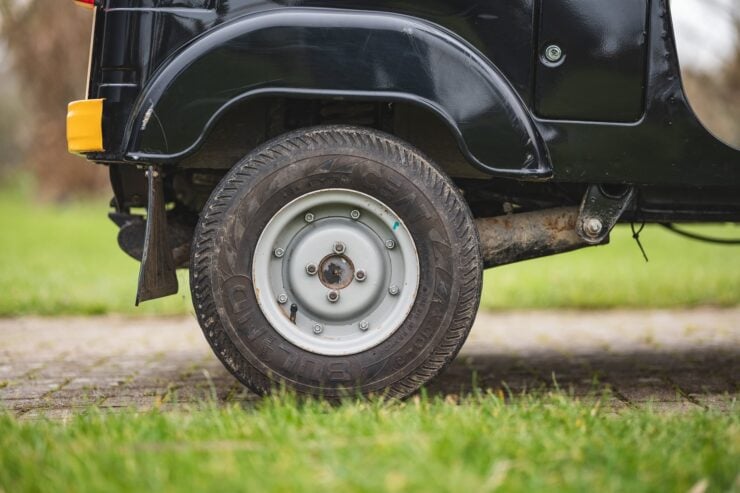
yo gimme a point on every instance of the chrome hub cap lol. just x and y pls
(336, 272)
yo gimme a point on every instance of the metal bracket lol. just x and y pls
(157, 277)
(600, 211)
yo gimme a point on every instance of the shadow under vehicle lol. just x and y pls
(337, 174)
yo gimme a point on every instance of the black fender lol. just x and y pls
(337, 54)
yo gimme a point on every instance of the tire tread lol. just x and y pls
(259, 161)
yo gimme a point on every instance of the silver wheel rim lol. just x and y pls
(336, 272)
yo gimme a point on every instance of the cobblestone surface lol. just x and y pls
(669, 360)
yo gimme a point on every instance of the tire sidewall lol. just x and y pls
(263, 183)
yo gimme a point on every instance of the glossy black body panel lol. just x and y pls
(337, 54)
(668, 146)
(613, 111)
(601, 75)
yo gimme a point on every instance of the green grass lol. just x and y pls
(64, 260)
(680, 273)
(550, 443)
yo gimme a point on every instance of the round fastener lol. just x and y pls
(309, 217)
(394, 290)
(339, 248)
(355, 214)
(318, 329)
(364, 325)
(279, 252)
(593, 227)
(361, 275)
(282, 298)
(312, 269)
(390, 244)
(553, 53)
(332, 296)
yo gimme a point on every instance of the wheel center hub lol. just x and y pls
(336, 272)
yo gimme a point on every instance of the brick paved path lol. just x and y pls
(668, 359)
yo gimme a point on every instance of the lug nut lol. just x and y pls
(553, 53)
(339, 247)
(390, 244)
(309, 217)
(364, 325)
(355, 214)
(279, 252)
(311, 269)
(361, 275)
(593, 227)
(332, 296)
(318, 329)
(282, 299)
(394, 290)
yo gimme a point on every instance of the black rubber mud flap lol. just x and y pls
(157, 277)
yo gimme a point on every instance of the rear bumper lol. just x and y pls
(85, 126)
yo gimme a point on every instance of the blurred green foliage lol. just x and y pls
(680, 272)
(64, 260)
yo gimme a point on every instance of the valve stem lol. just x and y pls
(293, 312)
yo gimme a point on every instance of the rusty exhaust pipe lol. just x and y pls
(516, 237)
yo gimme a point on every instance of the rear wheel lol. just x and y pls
(336, 260)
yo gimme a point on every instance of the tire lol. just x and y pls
(430, 310)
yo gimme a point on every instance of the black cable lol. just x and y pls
(636, 237)
(694, 236)
(636, 232)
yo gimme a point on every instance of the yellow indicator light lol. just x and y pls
(85, 126)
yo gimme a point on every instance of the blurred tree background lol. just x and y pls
(43, 63)
(45, 54)
(713, 87)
